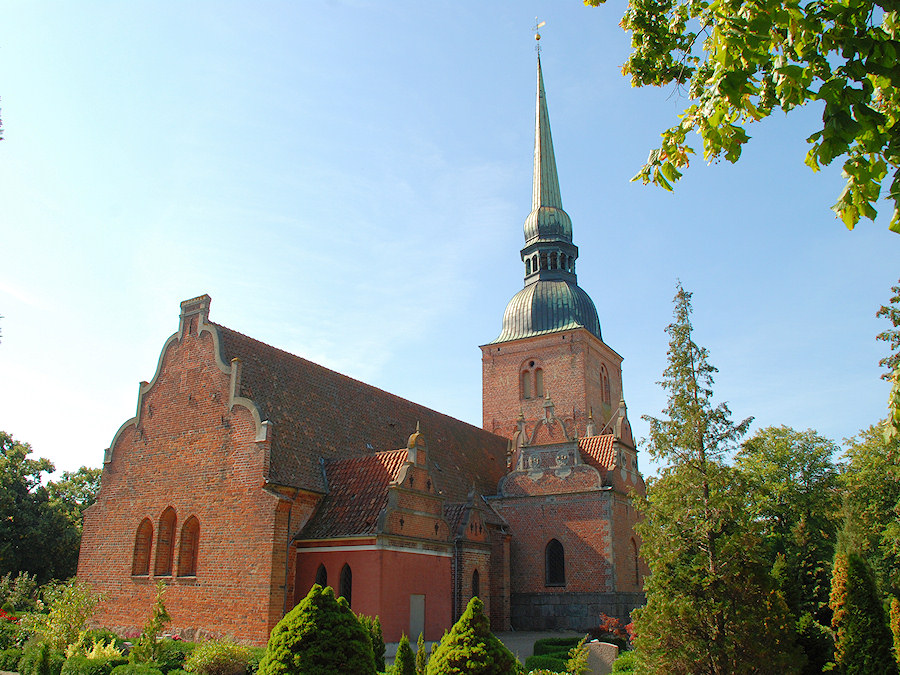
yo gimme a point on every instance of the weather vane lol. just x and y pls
(537, 36)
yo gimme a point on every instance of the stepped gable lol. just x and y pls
(598, 451)
(358, 495)
(317, 412)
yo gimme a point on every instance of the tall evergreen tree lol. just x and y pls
(711, 606)
(862, 640)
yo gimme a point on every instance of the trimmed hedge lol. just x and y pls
(9, 659)
(555, 645)
(545, 662)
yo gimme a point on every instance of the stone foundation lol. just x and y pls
(570, 611)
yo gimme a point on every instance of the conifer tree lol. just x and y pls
(421, 655)
(711, 605)
(320, 636)
(895, 627)
(372, 624)
(404, 661)
(862, 640)
(471, 649)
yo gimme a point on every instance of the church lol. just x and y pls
(248, 474)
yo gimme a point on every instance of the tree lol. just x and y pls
(871, 481)
(895, 627)
(891, 362)
(74, 492)
(372, 624)
(741, 60)
(421, 655)
(471, 649)
(862, 640)
(320, 636)
(711, 606)
(794, 495)
(34, 536)
(404, 661)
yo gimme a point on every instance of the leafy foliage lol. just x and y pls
(39, 658)
(471, 649)
(404, 661)
(136, 669)
(148, 647)
(218, 658)
(817, 644)
(578, 659)
(173, 653)
(862, 640)
(9, 659)
(372, 624)
(711, 606)
(19, 592)
(82, 665)
(321, 635)
(73, 492)
(742, 60)
(625, 663)
(895, 626)
(892, 362)
(71, 606)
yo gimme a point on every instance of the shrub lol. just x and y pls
(71, 605)
(9, 659)
(9, 633)
(421, 655)
(404, 661)
(136, 669)
(554, 645)
(256, 654)
(81, 665)
(105, 636)
(218, 658)
(172, 654)
(816, 642)
(545, 662)
(320, 636)
(39, 658)
(862, 640)
(471, 649)
(372, 624)
(147, 648)
(625, 663)
(18, 593)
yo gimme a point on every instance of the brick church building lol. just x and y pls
(248, 474)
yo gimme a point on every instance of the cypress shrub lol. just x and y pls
(320, 636)
(405, 661)
(545, 662)
(862, 639)
(471, 649)
(218, 658)
(372, 624)
(421, 655)
(9, 659)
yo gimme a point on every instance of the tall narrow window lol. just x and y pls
(526, 384)
(143, 541)
(346, 583)
(187, 549)
(476, 584)
(165, 543)
(637, 569)
(604, 384)
(528, 266)
(322, 576)
(555, 564)
(539, 382)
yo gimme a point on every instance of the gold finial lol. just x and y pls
(537, 35)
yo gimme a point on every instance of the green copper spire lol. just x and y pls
(552, 300)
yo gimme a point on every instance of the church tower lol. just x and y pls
(550, 347)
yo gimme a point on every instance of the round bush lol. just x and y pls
(218, 658)
(320, 636)
(471, 649)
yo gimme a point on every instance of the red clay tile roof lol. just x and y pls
(358, 493)
(598, 452)
(317, 412)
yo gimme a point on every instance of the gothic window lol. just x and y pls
(165, 544)
(555, 564)
(187, 549)
(143, 541)
(476, 584)
(534, 263)
(538, 382)
(635, 564)
(322, 576)
(346, 583)
(604, 384)
(526, 384)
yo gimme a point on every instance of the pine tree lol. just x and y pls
(711, 604)
(471, 649)
(372, 624)
(862, 640)
(320, 636)
(421, 655)
(404, 661)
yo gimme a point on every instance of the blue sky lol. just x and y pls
(348, 181)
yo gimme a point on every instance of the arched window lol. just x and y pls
(527, 266)
(555, 563)
(165, 544)
(534, 263)
(636, 564)
(143, 541)
(604, 384)
(553, 260)
(187, 549)
(476, 584)
(538, 382)
(526, 384)
(322, 576)
(346, 583)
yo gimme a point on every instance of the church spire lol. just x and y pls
(546, 183)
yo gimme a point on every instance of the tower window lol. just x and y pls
(531, 380)
(543, 261)
(555, 564)
(165, 544)
(534, 263)
(476, 584)
(526, 384)
(143, 541)
(528, 266)
(553, 260)
(634, 556)
(346, 583)
(604, 385)
(539, 382)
